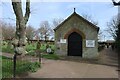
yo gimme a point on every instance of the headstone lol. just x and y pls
(49, 50)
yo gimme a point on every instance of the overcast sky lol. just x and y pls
(102, 12)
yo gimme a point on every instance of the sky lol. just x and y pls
(102, 12)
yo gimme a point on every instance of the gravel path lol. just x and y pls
(71, 69)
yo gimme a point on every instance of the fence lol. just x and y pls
(24, 64)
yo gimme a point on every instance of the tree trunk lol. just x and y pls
(21, 21)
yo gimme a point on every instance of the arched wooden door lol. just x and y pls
(74, 44)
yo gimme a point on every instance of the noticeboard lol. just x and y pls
(90, 43)
(62, 40)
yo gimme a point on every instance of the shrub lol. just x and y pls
(34, 66)
(101, 47)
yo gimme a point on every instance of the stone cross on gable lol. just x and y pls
(74, 10)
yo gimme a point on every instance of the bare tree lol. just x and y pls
(57, 21)
(112, 27)
(30, 32)
(117, 40)
(45, 30)
(100, 35)
(21, 21)
(89, 18)
(8, 31)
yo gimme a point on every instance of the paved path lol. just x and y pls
(108, 57)
(71, 69)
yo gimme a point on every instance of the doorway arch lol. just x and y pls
(74, 44)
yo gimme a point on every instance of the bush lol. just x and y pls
(101, 47)
(34, 66)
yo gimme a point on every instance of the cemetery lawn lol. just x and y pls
(46, 55)
(22, 67)
(29, 47)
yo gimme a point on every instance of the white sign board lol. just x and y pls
(90, 43)
(62, 40)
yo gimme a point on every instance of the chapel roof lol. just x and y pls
(75, 14)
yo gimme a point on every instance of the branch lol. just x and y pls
(17, 10)
(27, 14)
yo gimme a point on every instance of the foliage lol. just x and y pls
(22, 67)
(7, 49)
(30, 47)
(34, 66)
(31, 53)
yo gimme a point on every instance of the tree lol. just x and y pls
(8, 30)
(57, 21)
(30, 32)
(114, 30)
(45, 30)
(100, 35)
(89, 18)
(118, 38)
(112, 27)
(21, 21)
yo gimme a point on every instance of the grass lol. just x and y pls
(21, 67)
(7, 50)
(45, 55)
(50, 56)
(29, 47)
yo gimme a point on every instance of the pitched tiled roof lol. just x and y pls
(94, 26)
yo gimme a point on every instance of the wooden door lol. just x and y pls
(74, 44)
